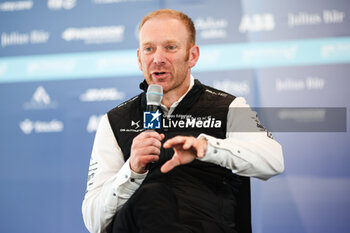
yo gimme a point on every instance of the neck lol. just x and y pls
(174, 95)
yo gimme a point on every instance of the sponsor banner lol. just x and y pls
(48, 40)
(287, 20)
(228, 22)
(42, 102)
(80, 26)
(215, 22)
(213, 58)
(29, 126)
(101, 94)
(56, 5)
(304, 86)
(10, 6)
(15, 38)
(95, 35)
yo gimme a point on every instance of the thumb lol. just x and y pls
(170, 164)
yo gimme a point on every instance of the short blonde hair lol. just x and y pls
(187, 21)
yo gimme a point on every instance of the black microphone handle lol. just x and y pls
(152, 108)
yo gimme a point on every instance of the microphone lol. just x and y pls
(154, 96)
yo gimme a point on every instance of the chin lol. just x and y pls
(164, 86)
(163, 83)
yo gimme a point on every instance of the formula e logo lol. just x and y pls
(151, 120)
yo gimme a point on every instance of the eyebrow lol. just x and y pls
(166, 42)
(171, 42)
(146, 44)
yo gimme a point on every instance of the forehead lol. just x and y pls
(163, 28)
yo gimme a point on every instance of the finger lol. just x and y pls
(200, 154)
(156, 135)
(144, 159)
(189, 142)
(139, 163)
(148, 159)
(143, 141)
(141, 147)
(150, 134)
(149, 150)
(169, 165)
(201, 146)
(200, 151)
(174, 141)
(150, 142)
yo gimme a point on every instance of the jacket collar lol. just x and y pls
(185, 104)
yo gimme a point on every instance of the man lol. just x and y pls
(177, 179)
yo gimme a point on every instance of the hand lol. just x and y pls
(145, 148)
(186, 149)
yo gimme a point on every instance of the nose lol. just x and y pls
(158, 57)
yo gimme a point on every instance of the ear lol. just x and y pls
(194, 55)
(139, 59)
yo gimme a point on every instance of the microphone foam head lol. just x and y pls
(154, 94)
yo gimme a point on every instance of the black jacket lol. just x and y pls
(204, 104)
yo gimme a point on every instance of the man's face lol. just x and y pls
(164, 55)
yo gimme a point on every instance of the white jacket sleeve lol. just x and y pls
(110, 180)
(248, 149)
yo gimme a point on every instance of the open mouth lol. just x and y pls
(159, 73)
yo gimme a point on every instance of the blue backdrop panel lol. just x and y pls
(46, 162)
(236, 82)
(313, 191)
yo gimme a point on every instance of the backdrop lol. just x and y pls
(64, 63)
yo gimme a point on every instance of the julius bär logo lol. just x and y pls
(151, 120)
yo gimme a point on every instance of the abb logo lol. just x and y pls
(257, 23)
(61, 4)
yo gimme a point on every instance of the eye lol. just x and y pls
(148, 49)
(171, 47)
